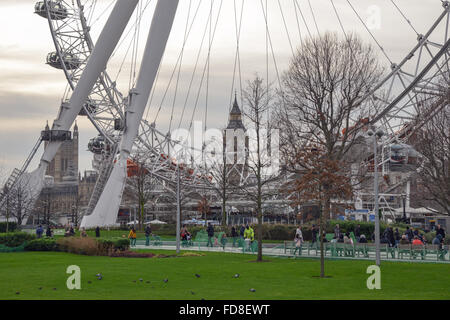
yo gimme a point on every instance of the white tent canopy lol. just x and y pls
(156, 221)
(416, 210)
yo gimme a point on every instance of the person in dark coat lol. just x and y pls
(362, 239)
(409, 234)
(97, 232)
(390, 237)
(337, 232)
(441, 231)
(210, 231)
(148, 232)
(48, 233)
(357, 232)
(39, 231)
(241, 231)
(234, 235)
(314, 233)
(397, 237)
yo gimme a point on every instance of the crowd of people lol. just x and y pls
(390, 236)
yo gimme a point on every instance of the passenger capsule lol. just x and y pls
(71, 62)
(55, 9)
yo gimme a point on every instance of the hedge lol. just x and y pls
(43, 244)
(12, 226)
(15, 239)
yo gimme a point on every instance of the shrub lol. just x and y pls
(12, 226)
(92, 246)
(87, 246)
(15, 239)
(44, 244)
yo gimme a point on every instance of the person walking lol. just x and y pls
(241, 232)
(357, 232)
(210, 231)
(314, 233)
(397, 237)
(441, 231)
(132, 237)
(298, 239)
(83, 233)
(337, 231)
(234, 235)
(249, 235)
(49, 233)
(148, 232)
(39, 232)
(97, 232)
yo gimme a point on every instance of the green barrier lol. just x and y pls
(6, 249)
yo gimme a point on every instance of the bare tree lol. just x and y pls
(140, 184)
(321, 101)
(433, 143)
(257, 103)
(21, 202)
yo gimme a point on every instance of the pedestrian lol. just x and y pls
(148, 232)
(337, 231)
(404, 240)
(298, 239)
(132, 237)
(83, 233)
(441, 231)
(362, 239)
(210, 231)
(234, 235)
(357, 232)
(397, 237)
(417, 241)
(97, 232)
(71, 231)
(314, 233)
(390, 237)
(409, 234)
(49, 233)
(438, 240)
(39, 231)
(347, 238)
(248, 236)
(241, 231)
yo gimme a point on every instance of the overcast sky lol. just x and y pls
(31, 91)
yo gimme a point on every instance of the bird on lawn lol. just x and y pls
(252, 290)
(197, 275)
(140, 279)
(236, 275)
(166, 280)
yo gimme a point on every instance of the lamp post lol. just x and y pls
(379, 133)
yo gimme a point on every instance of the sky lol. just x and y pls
(31, 91)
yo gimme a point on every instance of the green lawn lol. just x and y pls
(280, 278)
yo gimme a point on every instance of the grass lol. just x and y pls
(280, 278)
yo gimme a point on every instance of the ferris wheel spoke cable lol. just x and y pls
(404, 16)
(191, 82)
(237, 61)
(303, 19)
(298, 22)
(204, 69)
(179, 66)
(314, 17)
(370, 32)
(175, 68)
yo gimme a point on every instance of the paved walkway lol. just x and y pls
(278, 250)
